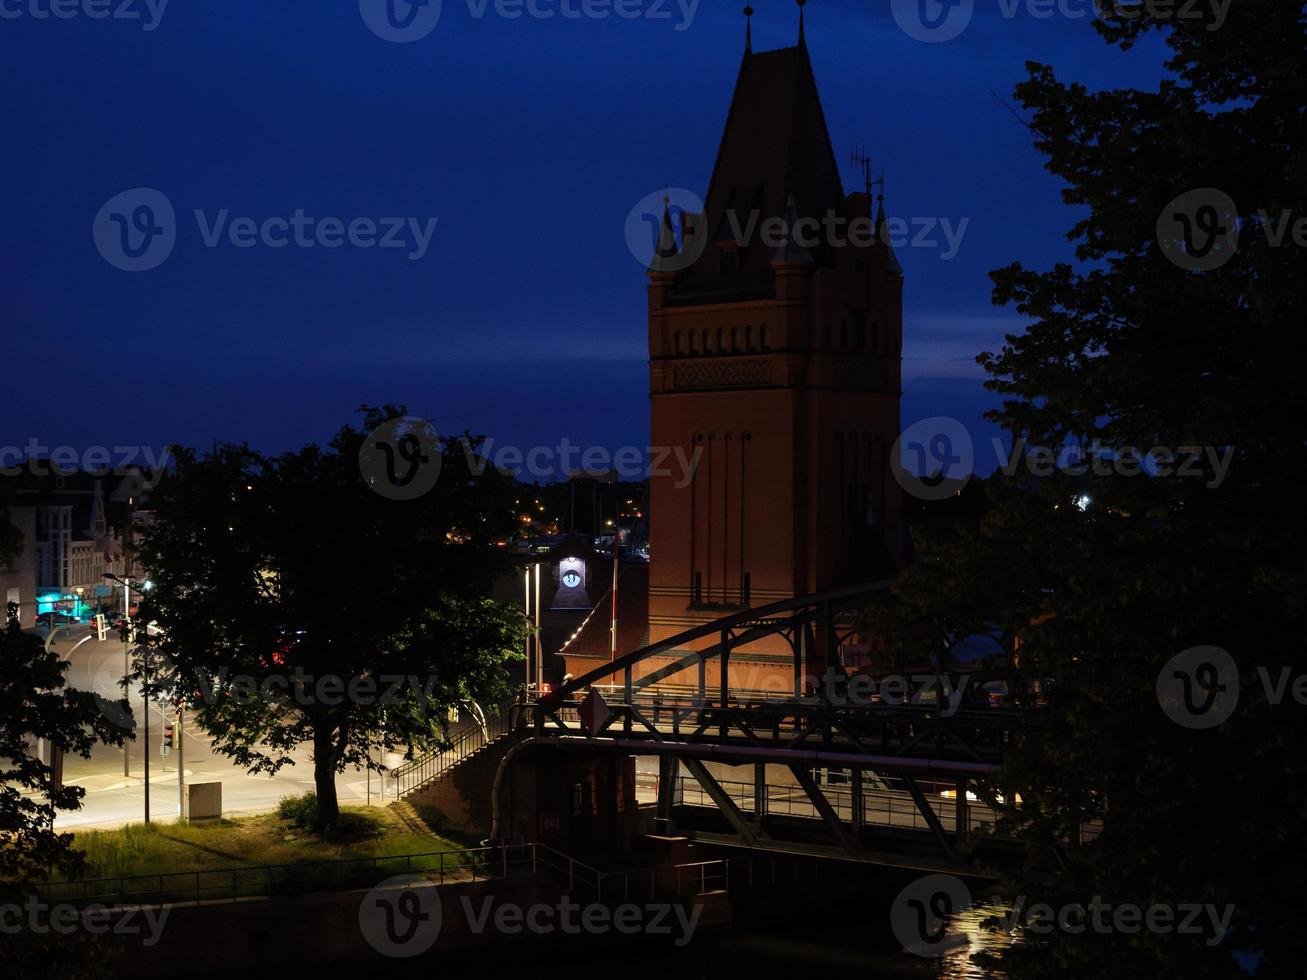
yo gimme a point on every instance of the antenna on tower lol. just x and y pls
(862, 163)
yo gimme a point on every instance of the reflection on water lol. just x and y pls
(972, 938)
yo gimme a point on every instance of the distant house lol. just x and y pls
(77, 527)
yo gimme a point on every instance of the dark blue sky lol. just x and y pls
(528, 140)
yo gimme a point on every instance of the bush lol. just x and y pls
(303, 810)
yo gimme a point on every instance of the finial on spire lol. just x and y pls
(748, 29)
(802, 38)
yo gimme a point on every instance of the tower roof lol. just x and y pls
(775, 145)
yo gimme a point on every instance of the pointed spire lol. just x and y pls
(791, 252)
(882, 234)
(748, 29)
(803, 41)
(667, 252)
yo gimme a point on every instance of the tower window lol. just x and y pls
(762, 337)
(748, 337)
(678, 341)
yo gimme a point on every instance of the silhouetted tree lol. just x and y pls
(1150, 342)
(292, 593)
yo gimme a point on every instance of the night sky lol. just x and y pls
(529, 140)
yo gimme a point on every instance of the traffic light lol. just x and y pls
(101, 630)
(171, 735)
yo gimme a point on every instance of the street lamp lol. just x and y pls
(126, 583)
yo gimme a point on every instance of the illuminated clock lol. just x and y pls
(572, 578)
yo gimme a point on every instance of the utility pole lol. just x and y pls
(540, 659)
(526, 610)
(612, 643)
(145, 695)
(181, 764)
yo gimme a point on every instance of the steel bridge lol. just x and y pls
(915, 752)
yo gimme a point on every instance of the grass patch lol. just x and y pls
(150, 849)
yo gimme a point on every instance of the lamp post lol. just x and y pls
(145, 683)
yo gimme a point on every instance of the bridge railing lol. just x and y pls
(472, 737)
(880, 807)
(678, 880)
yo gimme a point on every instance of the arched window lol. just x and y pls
(705, 341)
(678, 342)
(720, 348)
(762, 337)
(735, 341)
(748, 337)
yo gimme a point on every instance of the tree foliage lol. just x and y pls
(1129, 350)
(36, 704)
(296, 605)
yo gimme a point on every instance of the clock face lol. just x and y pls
(572, 578)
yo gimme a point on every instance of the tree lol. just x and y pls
(35, 704)
(1105, 575)
(297, 601)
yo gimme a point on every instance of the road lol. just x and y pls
(112, 799)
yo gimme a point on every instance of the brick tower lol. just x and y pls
(777, 367)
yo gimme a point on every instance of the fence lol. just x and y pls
(499, 861)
